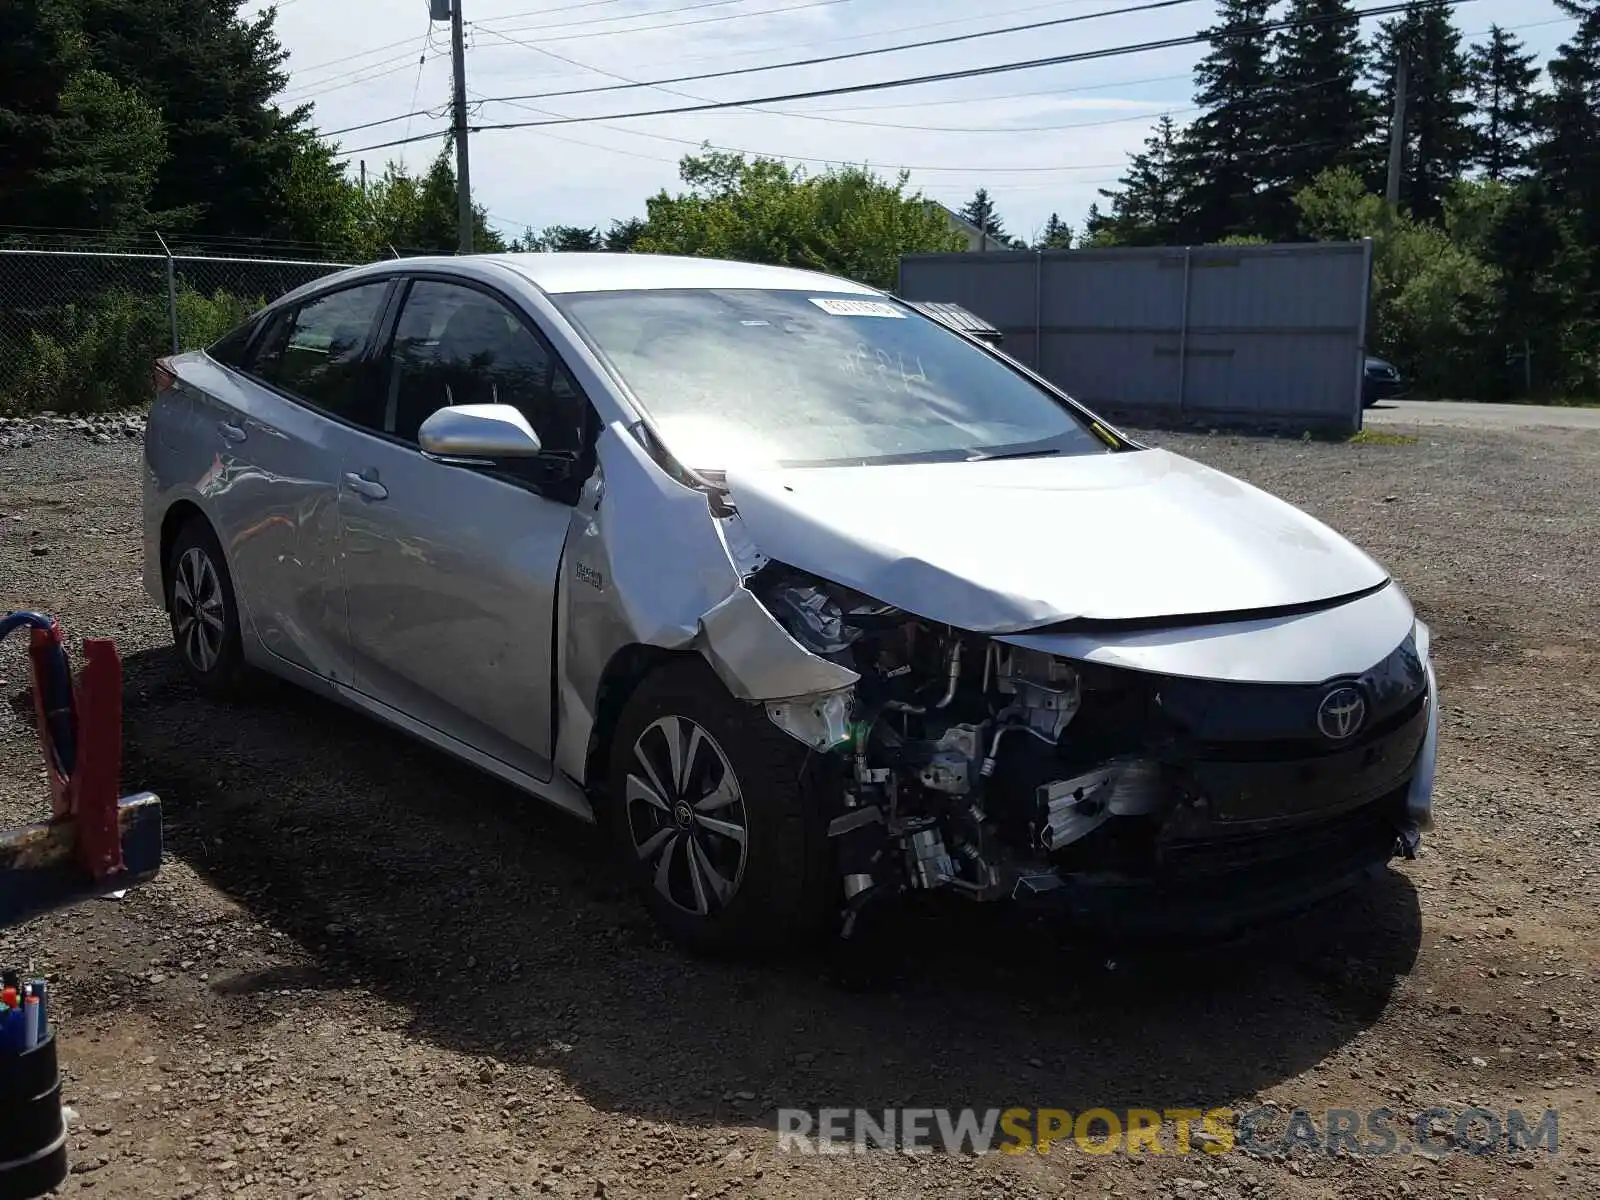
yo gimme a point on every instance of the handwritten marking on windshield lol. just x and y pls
(889, 370)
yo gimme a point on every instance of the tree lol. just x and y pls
(110, 145)
(1439, 141)
(1429, 291)
(1149, 208)
(1569, 156)
(1097, 228)
(214, 75)
(1222, 155)
(1528, 324)
(1502, 78)
(571, 238)
(847, 222)
(1057, 235)
(146, 112)
(981, 212)
(624, 235)
(1315, 114)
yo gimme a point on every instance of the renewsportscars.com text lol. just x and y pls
(1376, 1132)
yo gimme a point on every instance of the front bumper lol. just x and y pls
(1221, 885)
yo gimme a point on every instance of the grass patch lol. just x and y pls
(1380, 437)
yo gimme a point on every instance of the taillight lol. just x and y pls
(165, 376)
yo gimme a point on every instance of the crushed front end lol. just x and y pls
(1130, 799)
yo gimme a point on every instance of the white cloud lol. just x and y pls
(358, 61)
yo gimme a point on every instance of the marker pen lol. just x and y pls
(41, 989)
(30, 1023)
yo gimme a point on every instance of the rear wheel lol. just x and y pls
(204, 613)
(717, 817)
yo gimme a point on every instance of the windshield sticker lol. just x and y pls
(856, 308)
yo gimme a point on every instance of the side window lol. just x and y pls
(231, 347)
(455, 345)
(315, 352)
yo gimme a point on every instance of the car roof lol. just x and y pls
(607, 272)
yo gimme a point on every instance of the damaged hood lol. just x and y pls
(1009, 545)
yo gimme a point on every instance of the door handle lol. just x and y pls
(230, 431)
(371, 489)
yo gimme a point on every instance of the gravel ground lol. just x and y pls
(366, 970)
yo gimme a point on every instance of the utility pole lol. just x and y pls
(1397, 126)
(463, 175)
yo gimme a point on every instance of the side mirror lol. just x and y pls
(476, 434)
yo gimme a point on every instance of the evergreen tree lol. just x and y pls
(570, 238)
(1315, 116)
(1502, 77)
(1148, 210)
(1439, 141)
(1097, 230)
(1569, 162)
(1530, 243)
(1569, 156)
(981, 212)
(1223, 148)
(1057, 235)
(623, 235)
(214, 75)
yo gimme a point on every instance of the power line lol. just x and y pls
(791, 45)
(626, 83)
(586, 4)
(948, 40)
(657, 27)
(1299, 88)
(940, 76)
(489, 21)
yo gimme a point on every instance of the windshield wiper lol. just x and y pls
(1048, 452)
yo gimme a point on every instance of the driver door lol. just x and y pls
(450, 571)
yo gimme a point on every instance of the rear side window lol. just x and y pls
(231, 348)
(315, 352)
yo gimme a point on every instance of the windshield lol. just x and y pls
(815, 379)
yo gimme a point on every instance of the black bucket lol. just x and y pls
(33, 1136)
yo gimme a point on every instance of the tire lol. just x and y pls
(741, 775)
(205, 615)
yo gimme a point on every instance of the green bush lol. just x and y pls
(97, 359)
(202, 319)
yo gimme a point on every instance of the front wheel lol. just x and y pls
(718, 816)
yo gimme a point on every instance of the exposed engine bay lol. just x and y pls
(991, 770)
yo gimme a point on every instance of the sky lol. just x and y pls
(1041, 140)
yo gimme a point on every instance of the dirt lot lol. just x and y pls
(366, 970)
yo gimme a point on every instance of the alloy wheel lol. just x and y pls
(686, 815)
(199, 611)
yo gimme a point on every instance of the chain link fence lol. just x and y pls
(80, 328)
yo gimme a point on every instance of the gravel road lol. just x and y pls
(1480, 416)
(366, 970)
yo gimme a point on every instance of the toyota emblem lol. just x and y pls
(1341, 713)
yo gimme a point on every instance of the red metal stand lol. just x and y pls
(87, 794)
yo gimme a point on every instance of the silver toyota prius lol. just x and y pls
(808, 599)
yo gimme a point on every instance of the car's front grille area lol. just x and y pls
(1290, 749)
